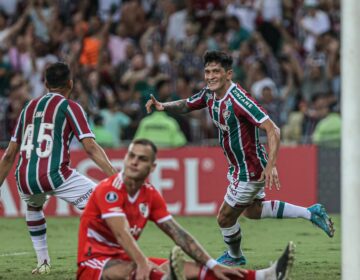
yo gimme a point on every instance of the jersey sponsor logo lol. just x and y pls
(111, 197)
(144, 209)
(244, 101)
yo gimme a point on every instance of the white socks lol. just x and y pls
(232, 237)
(279, 209)
(36, 224)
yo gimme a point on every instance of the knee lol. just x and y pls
(226, 219)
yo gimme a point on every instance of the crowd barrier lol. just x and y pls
(191, 179)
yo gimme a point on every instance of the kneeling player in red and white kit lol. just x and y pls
(115, 216)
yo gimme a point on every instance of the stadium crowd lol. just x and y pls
(286, 54)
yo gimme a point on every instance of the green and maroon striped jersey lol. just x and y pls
(237, 117)
(44, 131)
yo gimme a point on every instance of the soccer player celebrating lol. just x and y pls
(115, 217)
(42, 135)
(238, 116)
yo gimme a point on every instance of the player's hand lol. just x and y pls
(271, 177)
(153, 102)
(224, 273)
(143, 271)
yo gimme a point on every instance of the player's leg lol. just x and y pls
(230, 228)
(36, 223)
(236, 200)
(280, 210)
(116, 269)
(280, 270)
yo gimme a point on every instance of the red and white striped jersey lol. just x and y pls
(237, 116)
(44, 131)
(110, 199)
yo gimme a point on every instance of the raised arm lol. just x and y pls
(97, 154)
(177, 107)
(270, 173)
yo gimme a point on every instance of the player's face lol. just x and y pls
(139, 162)
(217, 78)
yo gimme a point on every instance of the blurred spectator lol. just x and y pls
(245, 11)
(114, 121)
(117, 45)
(259, 80)
(236, 33)
(292, 131)
(124, 50)
(315, 79)
(5, 72)
(272, 104)
(314, 23)
(162, 129)
(103, 136)
(328, 131)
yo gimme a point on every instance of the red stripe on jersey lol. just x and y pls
(248, 130)
(80, 118)
(23, 167)
(64, 169)
(44, 162)
(36, 223)
(226, 140)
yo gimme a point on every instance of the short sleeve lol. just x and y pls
(197, 101)
(17, 133)
(78, 122)
(108, 200)
(247, 107)
(159, 212)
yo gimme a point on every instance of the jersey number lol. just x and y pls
(27, 142)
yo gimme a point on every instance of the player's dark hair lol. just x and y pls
(146, 142)
(223, 58)
(57, 75)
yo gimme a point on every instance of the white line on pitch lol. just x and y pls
(14, 254)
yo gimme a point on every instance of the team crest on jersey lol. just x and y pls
(144, 209)
(228, 103)
(226, 114)
(209, 95)
(111, 197)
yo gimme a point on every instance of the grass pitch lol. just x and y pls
(317, 256)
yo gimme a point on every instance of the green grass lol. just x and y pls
(317, 256)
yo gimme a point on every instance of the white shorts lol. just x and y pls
(244, 193)
(75, 190)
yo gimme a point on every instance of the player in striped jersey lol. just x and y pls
(42, 135)
(238, 118)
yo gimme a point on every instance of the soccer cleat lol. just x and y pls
(177, 260)
(44, 268)
(284, 264)
(320, 218)
(226, 259)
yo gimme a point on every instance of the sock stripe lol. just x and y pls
(38, 233)
(280, 211)
(233, 235)
(35, 223)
